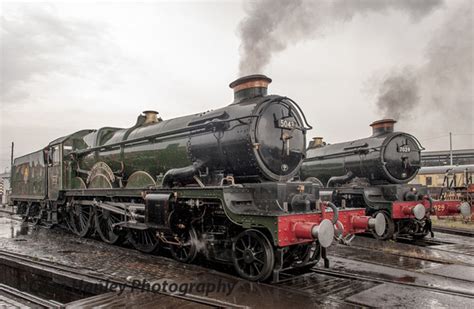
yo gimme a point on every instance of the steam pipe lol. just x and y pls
(431, 203)
(183, 174)
(340, 179)
(335, 211)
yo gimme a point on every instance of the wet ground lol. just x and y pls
(366, 274)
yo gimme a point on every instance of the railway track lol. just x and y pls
(425, 242)
(341, 285)
(350, 282)
(453, 231)
(332, 284)
(379, 280)
(437, 251)
(13, 298)
(91, 278)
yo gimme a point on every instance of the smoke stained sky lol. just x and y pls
(272, 26)
(66, 67)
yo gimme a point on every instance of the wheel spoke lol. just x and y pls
(259, 261)
(79, 220)
(256, 268)
(83, 222)
(109, 223)
(254, 245)
(242, 243)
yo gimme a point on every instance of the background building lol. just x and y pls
(4, 186)
(446, 181)
(440, 158)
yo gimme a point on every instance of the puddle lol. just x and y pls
(14, 229)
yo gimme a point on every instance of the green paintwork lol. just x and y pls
(55, 175)
(140, 179)
(154, 158)
(77, 183)
(268, 222)
(73, 142)
(100, 181)
(28, 176)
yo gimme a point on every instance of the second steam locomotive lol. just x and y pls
(374, 172)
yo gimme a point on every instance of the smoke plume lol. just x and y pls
(442, 89)
(270, 26)
(398, 93)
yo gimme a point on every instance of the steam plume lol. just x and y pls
(270, 26)
(441, 90)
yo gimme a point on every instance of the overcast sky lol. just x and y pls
(66, 67)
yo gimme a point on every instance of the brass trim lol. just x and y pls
(151, 117)
(252, 84)
(384, 123)
(317, 141)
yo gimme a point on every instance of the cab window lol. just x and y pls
(53, 155)
(56, 154)
(67, 149)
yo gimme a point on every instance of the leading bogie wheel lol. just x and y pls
(253, 256)
(186, 251)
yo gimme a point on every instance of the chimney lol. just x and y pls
(383, 126)
(150, 117)
(250, 86)
(316, 142)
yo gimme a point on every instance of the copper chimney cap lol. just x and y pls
(382, 126)
(250, 86)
